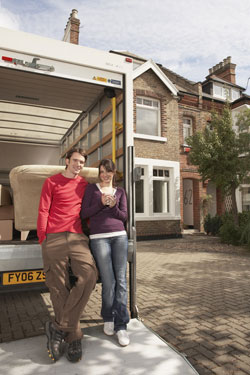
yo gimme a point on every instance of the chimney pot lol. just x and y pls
(74, 13)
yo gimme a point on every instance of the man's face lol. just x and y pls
(75, 163)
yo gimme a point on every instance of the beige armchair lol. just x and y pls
(26, 182)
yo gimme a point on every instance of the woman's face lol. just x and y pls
(105, 176)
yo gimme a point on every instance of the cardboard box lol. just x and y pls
(6, 212)
(6, 230)
(5, 197)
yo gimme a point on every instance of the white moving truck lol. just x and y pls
(54, 96)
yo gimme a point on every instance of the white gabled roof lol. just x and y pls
(150, 64)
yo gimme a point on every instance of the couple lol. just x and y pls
(64, 198)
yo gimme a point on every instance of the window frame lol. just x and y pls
(152, 108)
(226, 92)
(173, 185)
(185, 127)
(163, 179)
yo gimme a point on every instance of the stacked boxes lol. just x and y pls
(6, 214)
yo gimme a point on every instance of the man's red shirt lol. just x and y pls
(60, 205)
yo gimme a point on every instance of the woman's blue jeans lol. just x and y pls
(111, 258)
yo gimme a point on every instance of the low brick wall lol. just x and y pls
(157, 229)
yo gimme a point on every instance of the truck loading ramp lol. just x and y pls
(102, 355)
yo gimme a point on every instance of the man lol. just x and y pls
(64, 244)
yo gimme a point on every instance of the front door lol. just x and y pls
(188, 212)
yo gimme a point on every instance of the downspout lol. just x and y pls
(113, 102)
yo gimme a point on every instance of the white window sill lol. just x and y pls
(150, 137)
(156, 218)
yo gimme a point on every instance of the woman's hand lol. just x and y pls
(108, 200)
(112, 201)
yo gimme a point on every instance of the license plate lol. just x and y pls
(23, 277)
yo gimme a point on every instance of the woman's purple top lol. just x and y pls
(104, 219)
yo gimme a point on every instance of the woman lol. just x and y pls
(106, 207)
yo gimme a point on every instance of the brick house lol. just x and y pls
(168, 108)
(195, 105)
(196, 102)
(156, 143)
(190, 111)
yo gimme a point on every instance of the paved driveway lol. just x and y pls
(194, 292)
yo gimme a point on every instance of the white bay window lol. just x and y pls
(157, 191)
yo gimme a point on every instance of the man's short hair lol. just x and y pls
(76, 149)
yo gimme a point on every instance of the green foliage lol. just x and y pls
(229, 233)
(216, 150)
(222, 153)
(245, 228)
(212, 224)
(235, 235)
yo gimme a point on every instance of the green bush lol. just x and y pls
(230, 233)
(225, 228)
(244, 218)
(212, 224)
(244, 222)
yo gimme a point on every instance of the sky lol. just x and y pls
(186, 36)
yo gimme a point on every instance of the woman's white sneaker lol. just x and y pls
(108, 328)
(123, 338)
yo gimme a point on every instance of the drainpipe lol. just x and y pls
(113, 102)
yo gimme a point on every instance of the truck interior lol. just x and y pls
(42, 117)
(48, 114)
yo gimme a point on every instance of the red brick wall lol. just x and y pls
(74, 31)
(157, 228)
(149, 85)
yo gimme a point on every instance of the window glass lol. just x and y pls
(217, 90)
(160, 190)
(139, 196)
(160, 196)
(148, 116)
(187, 128)
(147, 102)
(235, 94)
(146, 121)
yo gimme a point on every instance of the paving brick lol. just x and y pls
(193, 291)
